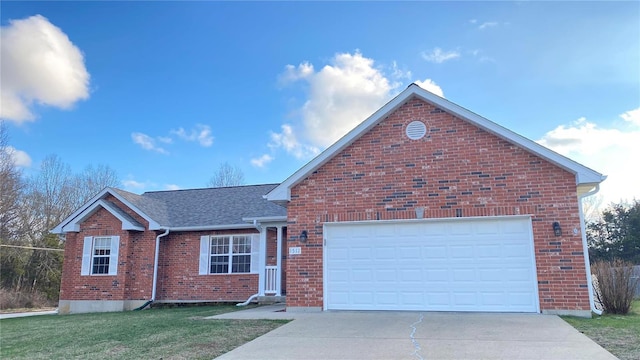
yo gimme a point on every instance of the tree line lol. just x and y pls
(30, 206)
(615, 235)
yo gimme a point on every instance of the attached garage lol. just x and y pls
(453, 264)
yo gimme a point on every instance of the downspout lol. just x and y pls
(255, 223)
(155, 264)
(585, 250)
(155, 270)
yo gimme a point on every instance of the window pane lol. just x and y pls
(219, 264)
(101, 265)
(242, 245)
(220, 245)
(241, 264)
(101, 253)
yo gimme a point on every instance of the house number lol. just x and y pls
(295, 250)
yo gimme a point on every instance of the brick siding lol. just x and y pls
(456, 170)
(178, 263)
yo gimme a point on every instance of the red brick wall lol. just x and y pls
(135, 264)
(456, 170)
(178, 278)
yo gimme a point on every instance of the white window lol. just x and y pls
(100, 255)
(229, 254)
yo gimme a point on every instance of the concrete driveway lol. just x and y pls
(414, 335)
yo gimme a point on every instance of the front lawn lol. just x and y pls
(617, 333)
(176, 333)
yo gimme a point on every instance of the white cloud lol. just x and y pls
(632, 116)
(287, 140)
(473, 21)
(141, 186)
(398, 73)
(201, 134)
(262, 161)
(488, 24)
(438, 56)
(431, 86)
(132, 185)
(607, 150)
(147, 142)
(172, 187)
(340, 96)
(292, 73)
(39, 64)
(19, 157)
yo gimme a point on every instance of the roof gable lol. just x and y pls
(585, 177)
(128, 222)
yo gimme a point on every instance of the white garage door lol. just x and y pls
(474, 264)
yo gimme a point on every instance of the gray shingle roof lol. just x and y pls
(155, 209)
(206, 207)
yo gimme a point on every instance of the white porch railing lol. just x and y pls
(270, 286)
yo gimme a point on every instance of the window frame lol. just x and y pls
(89, 255)
(238, 248)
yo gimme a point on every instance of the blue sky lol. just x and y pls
(164, 92)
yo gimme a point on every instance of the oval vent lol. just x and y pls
(416, 130)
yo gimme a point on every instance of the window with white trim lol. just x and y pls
(228, 254)
(100, 255)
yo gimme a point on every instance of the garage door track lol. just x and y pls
(414, 335)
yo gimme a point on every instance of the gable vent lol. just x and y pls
(416, 130)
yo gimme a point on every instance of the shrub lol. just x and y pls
(615, 285)
(23, 300)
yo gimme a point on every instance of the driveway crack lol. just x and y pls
(416, 345)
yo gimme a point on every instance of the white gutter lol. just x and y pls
(155, 264)
(585, 249)
(211, 227)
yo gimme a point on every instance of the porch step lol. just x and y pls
(267, 299)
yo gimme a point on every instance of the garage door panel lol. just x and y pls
(438, 266)
(410, 276)
(461, 252)
(386, 298)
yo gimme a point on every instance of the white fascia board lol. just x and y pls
(282, 192)
(211, 227)
(153, 225)
(81, 209)
(583, 174)
(74, 225)
(266, 219)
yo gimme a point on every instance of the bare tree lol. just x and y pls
(93, 179)
(227, 175)
(591, 208)
(11, 185)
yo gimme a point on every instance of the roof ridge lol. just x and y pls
(209, 188)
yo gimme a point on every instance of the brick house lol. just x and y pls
(423, 206)
(123, 250)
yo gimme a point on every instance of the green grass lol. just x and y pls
(620, 334)
(176, 333)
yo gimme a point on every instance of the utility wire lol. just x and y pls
(31, 247)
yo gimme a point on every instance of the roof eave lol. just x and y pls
(74, 225)
(209, 227)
